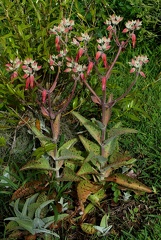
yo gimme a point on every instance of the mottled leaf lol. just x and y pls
(28, 189)
(92, 128)
(69, 175)
(88, 228)
(128, 182)
(90, 146)
(84, 189)
(41, 163)
(97, 197)
(86, 168)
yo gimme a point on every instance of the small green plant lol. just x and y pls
(33, 216)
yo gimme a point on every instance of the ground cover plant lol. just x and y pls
(69, 184)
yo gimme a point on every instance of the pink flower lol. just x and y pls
(125, 30)
(142, 74)
(89, 68)
(79, 54)
(44, 94)
(132, 26)
(103, 83)
(98, 55)
(132, 70)
(13, 67)
(137, 64)
(104, 58)
(82, 76)
(29, 82)
(14, 75)
(133, 37)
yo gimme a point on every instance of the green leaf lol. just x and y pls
(41, 163)
(2, 141)
(69, 175)
(85, 169)
(92, 128)
(128, 182)
(88, 228)
(49, 220)
(67, 145)
(113, 166)
(42, 138)
(27, 225)
(90, 146)
(84, 189)
(43, 205)
(67, 154)
(97, 197)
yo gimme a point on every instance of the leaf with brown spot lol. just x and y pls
(84, 189)
(28, 189)
(128, 182)
(88, 228)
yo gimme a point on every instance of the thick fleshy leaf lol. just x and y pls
(88, 228)
(90, 146)
(28, 189)
(52, 219)
(26, 224)
(41, 163)
(115, 132)
(97, 197)
(69, 175)
(92, 128)
(128, 182)
(67, 145)
(111, 147)
(67, 154)
(84, 189)
(85, 169)
(42, 138)
(113, 166)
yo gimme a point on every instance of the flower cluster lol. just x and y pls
(84, 37)
(113, 21)
(13, 67)
(75, 67)
(132, 26)
(29, 68)
(137, 63)
(57, 60)
(64, 27)
(103, 44)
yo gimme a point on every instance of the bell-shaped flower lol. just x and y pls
(90, 67)
(44, 95)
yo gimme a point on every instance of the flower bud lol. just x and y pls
(90, 66)
(44, 94)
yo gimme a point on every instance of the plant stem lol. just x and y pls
(103, 102)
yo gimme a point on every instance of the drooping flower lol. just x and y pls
(103, 83)
(133, 37)
(79, 54)
(90, 67)
(30, 67)
(44, 95)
